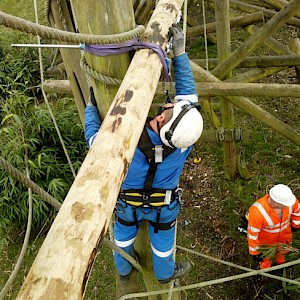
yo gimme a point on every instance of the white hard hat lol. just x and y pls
(282, 194)
(185, 127)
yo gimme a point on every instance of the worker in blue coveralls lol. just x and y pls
(150, 190)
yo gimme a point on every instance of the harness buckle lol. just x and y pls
(145, 197)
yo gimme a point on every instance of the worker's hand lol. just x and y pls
(178, 39)
(92, 99)
(257, 257)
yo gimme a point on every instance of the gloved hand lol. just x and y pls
(294, 229)
(257, 257)
(92, 99)
(178, 39)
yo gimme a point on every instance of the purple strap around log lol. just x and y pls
(131, 45)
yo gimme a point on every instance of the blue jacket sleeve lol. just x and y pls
(184, 79)
(92, 124)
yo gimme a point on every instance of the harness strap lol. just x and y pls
(159, 226)
(157, 220)
(135, 217)
(124, 222)
(163, 226)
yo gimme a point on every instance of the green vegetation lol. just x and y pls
(212, 205)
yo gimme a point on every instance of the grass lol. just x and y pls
(212, 204)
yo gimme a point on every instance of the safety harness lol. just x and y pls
(148, 196)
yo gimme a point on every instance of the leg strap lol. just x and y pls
(162, 226)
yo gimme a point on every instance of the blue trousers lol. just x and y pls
(162, 242)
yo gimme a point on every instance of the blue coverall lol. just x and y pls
(166, 177)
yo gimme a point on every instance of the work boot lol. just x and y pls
(124, 278)
(181, 269)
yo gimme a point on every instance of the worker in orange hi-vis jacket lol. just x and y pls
(271, 221)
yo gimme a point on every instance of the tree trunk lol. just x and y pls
(64, 262)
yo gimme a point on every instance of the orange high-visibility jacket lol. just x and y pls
(265, 227)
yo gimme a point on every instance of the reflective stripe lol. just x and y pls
(296, 222)
(296, 214)
(254, 249)
(91, 140)
(162, 254)
(275, 230)
(290, 210)
(253, 229)
(124, 243)
(252, 237)
(278, 225)
(264, 213)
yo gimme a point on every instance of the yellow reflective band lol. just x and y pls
(157, 204)
(133, 194)
(134, 203)
(157, 195)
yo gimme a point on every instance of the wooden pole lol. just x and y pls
(256, 40)
(60, 18)
(234, 22)
(268, 13)
(253, 109)
(257, 61)
(90, 19)
(64, 262)
(224, 50)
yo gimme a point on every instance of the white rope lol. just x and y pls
(185, 9)
(46, 99)
(19, 262)
(205, 36)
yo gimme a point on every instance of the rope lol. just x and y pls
(19, 262)
(46, 99)
(97, 75)
(15, 173)
(111, 245)
(221, 280)
(205, 36)
(63, 36)
(185, 10)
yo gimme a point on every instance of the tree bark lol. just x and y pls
(64, 262)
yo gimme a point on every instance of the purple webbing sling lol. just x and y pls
(131, 45)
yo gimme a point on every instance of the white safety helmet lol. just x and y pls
(185, 127)
(282, 194)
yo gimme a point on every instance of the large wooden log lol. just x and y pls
(256, 40)
(63, 264)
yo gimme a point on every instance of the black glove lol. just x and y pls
(92, 99)
(294, 229)
(178, 39)
(257, 257)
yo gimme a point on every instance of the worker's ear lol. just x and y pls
(160, 118)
